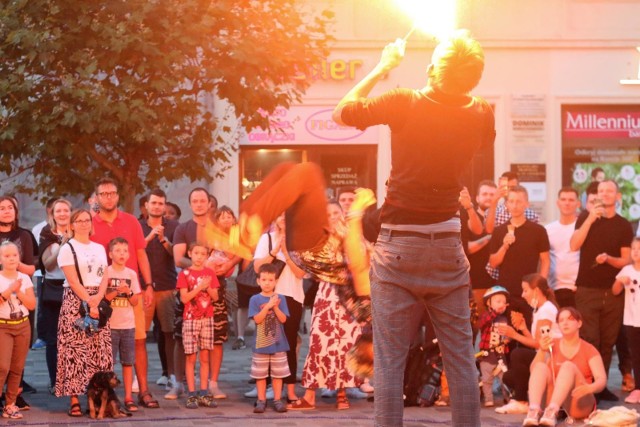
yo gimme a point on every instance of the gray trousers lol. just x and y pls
(409, 274)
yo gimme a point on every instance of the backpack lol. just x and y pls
(422, 375)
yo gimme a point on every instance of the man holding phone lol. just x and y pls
(604, 240)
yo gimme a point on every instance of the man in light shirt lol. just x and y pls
(564, 261)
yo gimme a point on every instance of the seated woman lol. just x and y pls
(568, 369)
(537, 293)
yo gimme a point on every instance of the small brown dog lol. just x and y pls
(102, 398)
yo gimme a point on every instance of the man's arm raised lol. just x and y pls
(391, 57)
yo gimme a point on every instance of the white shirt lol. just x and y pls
(36, 230)
(92, 260)
(288, 284)
(631, 299)
(13, 304)
(546, 311)
(122, 316)
(564, 262)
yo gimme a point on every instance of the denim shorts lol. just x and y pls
(123, 342)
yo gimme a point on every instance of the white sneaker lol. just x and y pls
(135, 387)
(356, 393)
(215, 391)
(175, 392)
(163, 380)
(366, 387)
(253, 393)
(513, 407)
(329, 393)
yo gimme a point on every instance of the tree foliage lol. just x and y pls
(92, 88)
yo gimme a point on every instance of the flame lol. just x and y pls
(434, 17)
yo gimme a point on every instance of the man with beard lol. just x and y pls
(159, 235)
(202, 204)
(108, 224)
(477, 245)
(604, 240)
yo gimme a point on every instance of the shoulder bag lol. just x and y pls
(249, 277)
(104, 308)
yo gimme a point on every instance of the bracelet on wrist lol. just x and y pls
(163, 241)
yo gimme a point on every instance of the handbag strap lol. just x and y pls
(75, 261)
(271, 247)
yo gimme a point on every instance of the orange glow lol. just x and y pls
(434, 17)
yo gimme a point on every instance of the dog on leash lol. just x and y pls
(102, 398)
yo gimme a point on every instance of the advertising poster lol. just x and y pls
(606, 137)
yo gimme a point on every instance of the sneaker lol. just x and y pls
(550, 417)
(259, 407)
(175, 392)
(239, 344)
(607, 396)
(11, 412)
(253, 393)
(163, 380)
(366, 387)
(279, 406)
(171, 382)
(356, 393)
(28, 388)
(634, 397)
(628, 383)
(192, 402)
(38, 345)
(207, 401)
(533, 417)
(328, 393)
(21, 403)
(513, 407)
(215, 390)
(135, 387)
(442, 401)
(489, 404)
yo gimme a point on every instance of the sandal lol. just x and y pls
(75, 410)
(146, 400)
(301, 405)
(341, 401)
(130, 406)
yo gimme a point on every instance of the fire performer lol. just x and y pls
(418, 261)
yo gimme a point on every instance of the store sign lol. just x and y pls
(600, 124)
(308, 125)
(607, 138)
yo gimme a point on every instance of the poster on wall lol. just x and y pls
(607, 138)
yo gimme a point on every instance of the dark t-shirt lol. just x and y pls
(186, 233)
(605, 235)
(523, 256)
(434, 136)
(163, 269)
(480, 279)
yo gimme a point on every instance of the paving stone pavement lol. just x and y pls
(236, 410)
